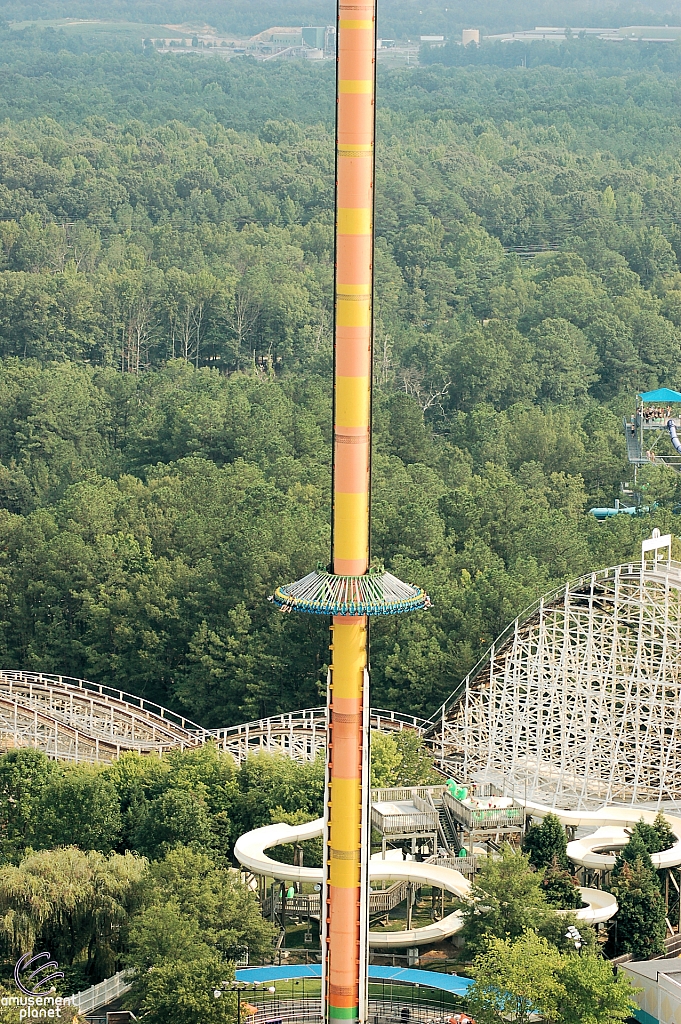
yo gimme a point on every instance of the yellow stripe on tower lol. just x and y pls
(354, 221)
(349, 661)
(356, 85)
(351, 313)
(354, 150)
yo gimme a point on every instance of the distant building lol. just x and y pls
(314, 36)
(277, 36)
(471, 35)
(432, 39)
(556, 34)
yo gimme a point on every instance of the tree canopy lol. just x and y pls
(165, 358)
(641, 925)
(546, 842)
(518, 979)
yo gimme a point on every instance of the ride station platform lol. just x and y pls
(657, 417)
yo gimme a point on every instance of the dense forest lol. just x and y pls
(165, 344)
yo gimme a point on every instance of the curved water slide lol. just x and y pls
(612, 828)
(250, 852)
(674, 437)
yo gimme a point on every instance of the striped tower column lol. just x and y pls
(346, 887)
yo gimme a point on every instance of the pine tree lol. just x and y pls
(656, 837)
(635, 850)
(560, 888)
(666, 837)
(545, 843)
(649, 835)
(641, 916)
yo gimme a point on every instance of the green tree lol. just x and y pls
(593, 992)
(77, 806)
(176, 818)
(268, 781)
(546, 843)
(416, 767)
(207, 894)
(400, 759)
(634, 851)
(221, 667)
(657, 836)
(162, 932)
(665, 836)
(23, 776)
(506, 900)
(640, 919)
(516, 979)
(560, 888)
(567, 361)
(76, 904)
(385, 760)
(180, 991)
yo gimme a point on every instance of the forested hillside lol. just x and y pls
(400, 18)
(165, 313)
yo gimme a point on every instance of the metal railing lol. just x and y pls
(102, 994)
(484, 818)
(296, 906)
(404, 824)
(380, 1011)
(387, 1010)
(108, 693)
(466, 865)
(399, 793)
(381, 901)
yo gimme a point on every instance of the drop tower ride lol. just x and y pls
(350, 590)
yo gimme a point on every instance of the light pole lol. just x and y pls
(238, 987)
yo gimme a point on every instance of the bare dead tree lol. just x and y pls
(426, 396)
(383, 361)
(243, 316)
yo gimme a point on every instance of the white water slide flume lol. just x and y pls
(250, 852)
(613, 827)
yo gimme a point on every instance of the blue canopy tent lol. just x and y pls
(663, 395)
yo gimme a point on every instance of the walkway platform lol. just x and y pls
(634, 452)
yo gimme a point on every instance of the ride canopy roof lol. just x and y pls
(661, 395)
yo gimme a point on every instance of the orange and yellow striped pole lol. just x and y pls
(350, 592)
(346, 887)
